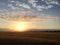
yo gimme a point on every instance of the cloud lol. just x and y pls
(24, 5)
(42, 7)
(33, 2)
(53, 2)
(49, 4)
(12, 1)
(11, 6)
(18, 5)
(27, 16)
(30, 4)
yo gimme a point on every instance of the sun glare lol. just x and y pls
(21, 27)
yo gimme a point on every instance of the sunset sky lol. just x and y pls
(35, 14)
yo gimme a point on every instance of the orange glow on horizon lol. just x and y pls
(20, 26)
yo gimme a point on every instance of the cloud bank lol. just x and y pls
(27, 10)
(27, 16)
(38, 5)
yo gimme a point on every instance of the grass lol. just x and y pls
(29, 38)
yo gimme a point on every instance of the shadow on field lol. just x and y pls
(25, 42)
(29, 38)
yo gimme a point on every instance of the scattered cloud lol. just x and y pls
(18, 5)
(31, 4)
(53, 2)
(11, 6)
(12, 1)
(27, 16)
(25, 6)
(49, 4)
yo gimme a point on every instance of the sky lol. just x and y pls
(38, 14)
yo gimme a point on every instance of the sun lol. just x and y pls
(21, 27)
